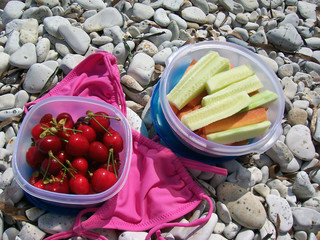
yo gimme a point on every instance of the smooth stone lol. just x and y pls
(21, 98)
(232, 6)
(136, 122)
(305, 219)
(12, 10)
(10, 233)
(173, 5)
(289, 87)
(105, 18)
(121, 52)
(29, 31)
(231, 230)
(6, 177)
(13, 42)
(4, 62)
(128, 235)
(159, 39)
(309, 66)
(42, 49)
(202, 4)
(147, 47)
(307, 10)
(76, 38)
(101, 40)
(285, 38)
(216, 237)
(53, 223)
(286, 70)
(193, 14)
(223, 212)
(130, 82)
(7, 101)
(34, 213)
(259, 37)
(91, 4)
(70, 61)
(63, 48)
(303, 77)
(10, 146)
(51, 25)
(268, 230)
(161, 56)
(38, 13)
(291, 18)
(302, 104)
(262, 189)
(217, 179)
(316, 135)
(313, 43)
(142, 12)
(37, 76)
(141, 68)
(219, 228)
(279, 186)
(219, 19)
(182, 24)
(244, 207)
(297, 116)
(270, 4)
(298, 140)
(14, 112)
(204, 231)
(249, 5)
(279, 207)
(30, 230)
(313, 202)
(2, 139)
(272, 63)
(24, 57)
(302, 186)
(161, 17)
(300, 235)
(246, 234)
(115, 33)
(242, 18)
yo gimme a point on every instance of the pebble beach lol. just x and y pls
(41, 41)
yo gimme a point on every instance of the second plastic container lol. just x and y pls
(175, 67)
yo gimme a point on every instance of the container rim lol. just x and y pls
(75, 199)
(216, 149)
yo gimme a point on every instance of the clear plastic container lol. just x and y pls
(77, 107)
(176, 65)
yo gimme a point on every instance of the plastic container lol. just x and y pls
(186, 143)
(77, 107)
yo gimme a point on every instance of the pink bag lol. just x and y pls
(158, 190)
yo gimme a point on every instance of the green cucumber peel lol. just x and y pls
(262, 99)
(224, 79)
(239, 134)
(250, 84)
(196, 82)
(216, 111)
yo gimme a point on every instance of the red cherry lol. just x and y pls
(102, 179)
(98, 152)
(80, 164)
(39, 184)
(100, 123)
(58, 186)
(113, 140)
(48, 143)
(77, 145)
(37, 130)
(79, 184)
(50, 166)
(34, 157)
(47, 118)
(67, 117)
(88, 132)
(35, 177)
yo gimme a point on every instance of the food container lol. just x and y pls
(77, 107)
(188, 144)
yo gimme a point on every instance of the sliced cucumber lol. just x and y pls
(216, 111)
(262, 99)
(248, 85)
(226, 78)
(239, 134)
(194, 83)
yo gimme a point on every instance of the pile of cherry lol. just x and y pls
(77, 157)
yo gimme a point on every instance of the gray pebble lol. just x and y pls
(14, 112)
(38, 13)
(302, 186)
(297, 116)
(30, 232)
(24, 57)
(306, 219)
(54, 223)
(70, 61)
(173, 5)
(51, 25)
(193, 14)
(12, 10)
(142, 12)
(161, 17)
(307, 10)
(7, 101)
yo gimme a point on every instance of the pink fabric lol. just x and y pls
(158, 190)
(97, 76)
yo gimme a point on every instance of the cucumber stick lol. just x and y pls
(248, 85)
(216, 111)
(193, 83)
(262, 99)
(226, 78)
(239, 134)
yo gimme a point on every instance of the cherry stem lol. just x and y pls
(101, 126)
(63, 166)
(91, 114)
(113, 163)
